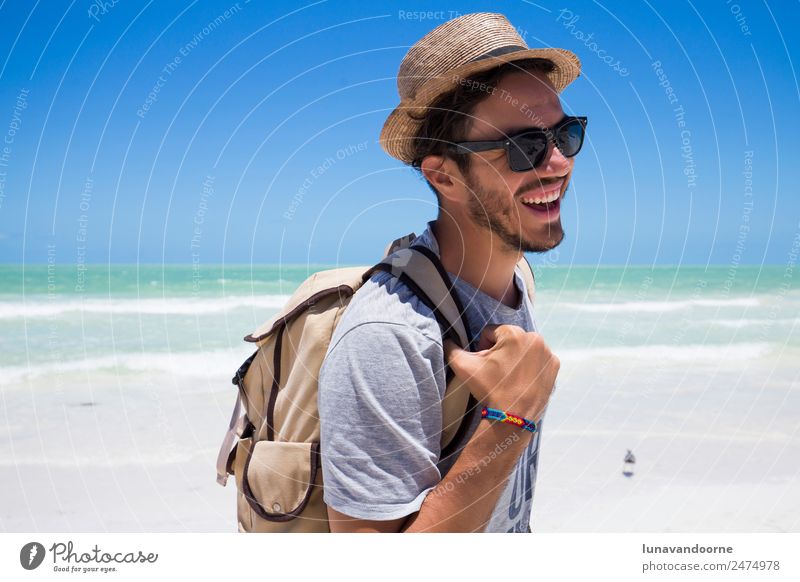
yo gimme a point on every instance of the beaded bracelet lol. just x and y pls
(502, 416)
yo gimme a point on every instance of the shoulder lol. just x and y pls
(384, 333)
(384, 305)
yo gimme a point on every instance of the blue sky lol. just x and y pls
(216, 131)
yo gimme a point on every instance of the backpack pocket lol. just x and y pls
(281, 482)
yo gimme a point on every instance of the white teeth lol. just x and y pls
(552, 197)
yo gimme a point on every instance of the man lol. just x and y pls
(465, 88)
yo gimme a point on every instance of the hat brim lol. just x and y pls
(400, 128)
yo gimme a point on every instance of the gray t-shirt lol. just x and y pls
(380, 391)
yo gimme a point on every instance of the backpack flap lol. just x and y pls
(280, 478)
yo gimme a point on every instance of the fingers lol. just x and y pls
(494, 334)
(488, 337)
(555, 362)
(493, 337)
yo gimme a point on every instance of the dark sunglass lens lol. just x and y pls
(526, 151)
(570, 138)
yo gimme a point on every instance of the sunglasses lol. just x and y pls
(527, 149)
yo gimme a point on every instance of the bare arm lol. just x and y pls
(463, 501)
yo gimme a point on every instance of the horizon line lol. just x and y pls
(345, 265)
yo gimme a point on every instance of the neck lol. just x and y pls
(471, 253)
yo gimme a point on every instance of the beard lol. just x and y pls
(496, 212)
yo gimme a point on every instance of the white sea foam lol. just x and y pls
(163, 306)
(191, 364)
(696, 353)
(224, 362)
(660, 306)
(748, 322)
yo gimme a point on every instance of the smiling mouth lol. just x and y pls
(543, 196)
(544, 202)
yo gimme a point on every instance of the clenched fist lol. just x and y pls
(513, 370)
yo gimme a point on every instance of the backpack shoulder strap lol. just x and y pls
(523, 264)
(399, 243)
(422, 272)
(527, 275)
(420, 269)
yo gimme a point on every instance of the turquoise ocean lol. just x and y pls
(116, 387)
(150, 313)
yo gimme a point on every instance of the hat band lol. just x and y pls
(499, 52)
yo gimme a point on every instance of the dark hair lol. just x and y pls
(447, 119)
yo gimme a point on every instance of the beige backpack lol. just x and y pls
(272, 445)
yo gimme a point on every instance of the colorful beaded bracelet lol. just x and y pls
(502, 416)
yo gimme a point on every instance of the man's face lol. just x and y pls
(495, 192)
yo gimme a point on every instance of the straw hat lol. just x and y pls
(457, 49)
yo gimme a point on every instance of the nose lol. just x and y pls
(555, 161)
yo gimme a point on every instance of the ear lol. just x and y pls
(443, 173)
